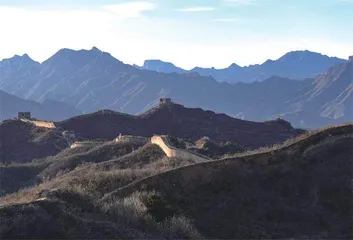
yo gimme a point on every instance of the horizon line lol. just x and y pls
(166, 61)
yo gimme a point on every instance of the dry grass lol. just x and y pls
(22, 196)
(132, 211)
(303, 140)
(97, 179)
(94, 177)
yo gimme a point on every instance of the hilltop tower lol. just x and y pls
(165, 101)
(24, 115)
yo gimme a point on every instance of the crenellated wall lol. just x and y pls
(171, 151)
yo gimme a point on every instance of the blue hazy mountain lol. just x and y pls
(293, 65)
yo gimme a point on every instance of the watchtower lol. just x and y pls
(165, 100)
(24, 115)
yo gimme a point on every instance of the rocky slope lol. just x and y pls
(328, 100)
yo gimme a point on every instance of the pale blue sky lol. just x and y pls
(186, 32)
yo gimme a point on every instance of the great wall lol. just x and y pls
(44, 124)
(119, 139)
(160, 141)
(86, 144)
(171, 151)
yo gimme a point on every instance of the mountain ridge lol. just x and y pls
(179, 121)
(258, 72)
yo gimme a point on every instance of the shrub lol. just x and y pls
(176, 142)
(158, 208)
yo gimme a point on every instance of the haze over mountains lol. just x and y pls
(295, 65)
(10, 105)
(90, 80)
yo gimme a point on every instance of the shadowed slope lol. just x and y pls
(23, 142)
(302, 190)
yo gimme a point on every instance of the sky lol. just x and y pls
(188, 33)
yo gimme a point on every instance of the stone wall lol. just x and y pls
(131, 139)
(171, 151)
(43, 124)
(85, 144)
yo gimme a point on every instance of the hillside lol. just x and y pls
(182, 122)
(10, 105)
(301, 189)
(295, 65)
(22, 142)
(329, 100)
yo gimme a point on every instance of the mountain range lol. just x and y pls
(90, 80)
(295, 65)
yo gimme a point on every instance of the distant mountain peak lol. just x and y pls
(233, 65)
(95, 49)
(68, 56)
(305, 54)
(161, 66)
(70, 51)
(17, 60)
(297, 55)
(25, 56)
(156, 62)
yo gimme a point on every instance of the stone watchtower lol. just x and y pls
(165, 101)
(24, 115)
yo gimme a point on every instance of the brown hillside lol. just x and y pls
(300, 190)
(178, 121)
(66, 206)
(23, 142)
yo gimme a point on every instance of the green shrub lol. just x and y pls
(158, 208)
